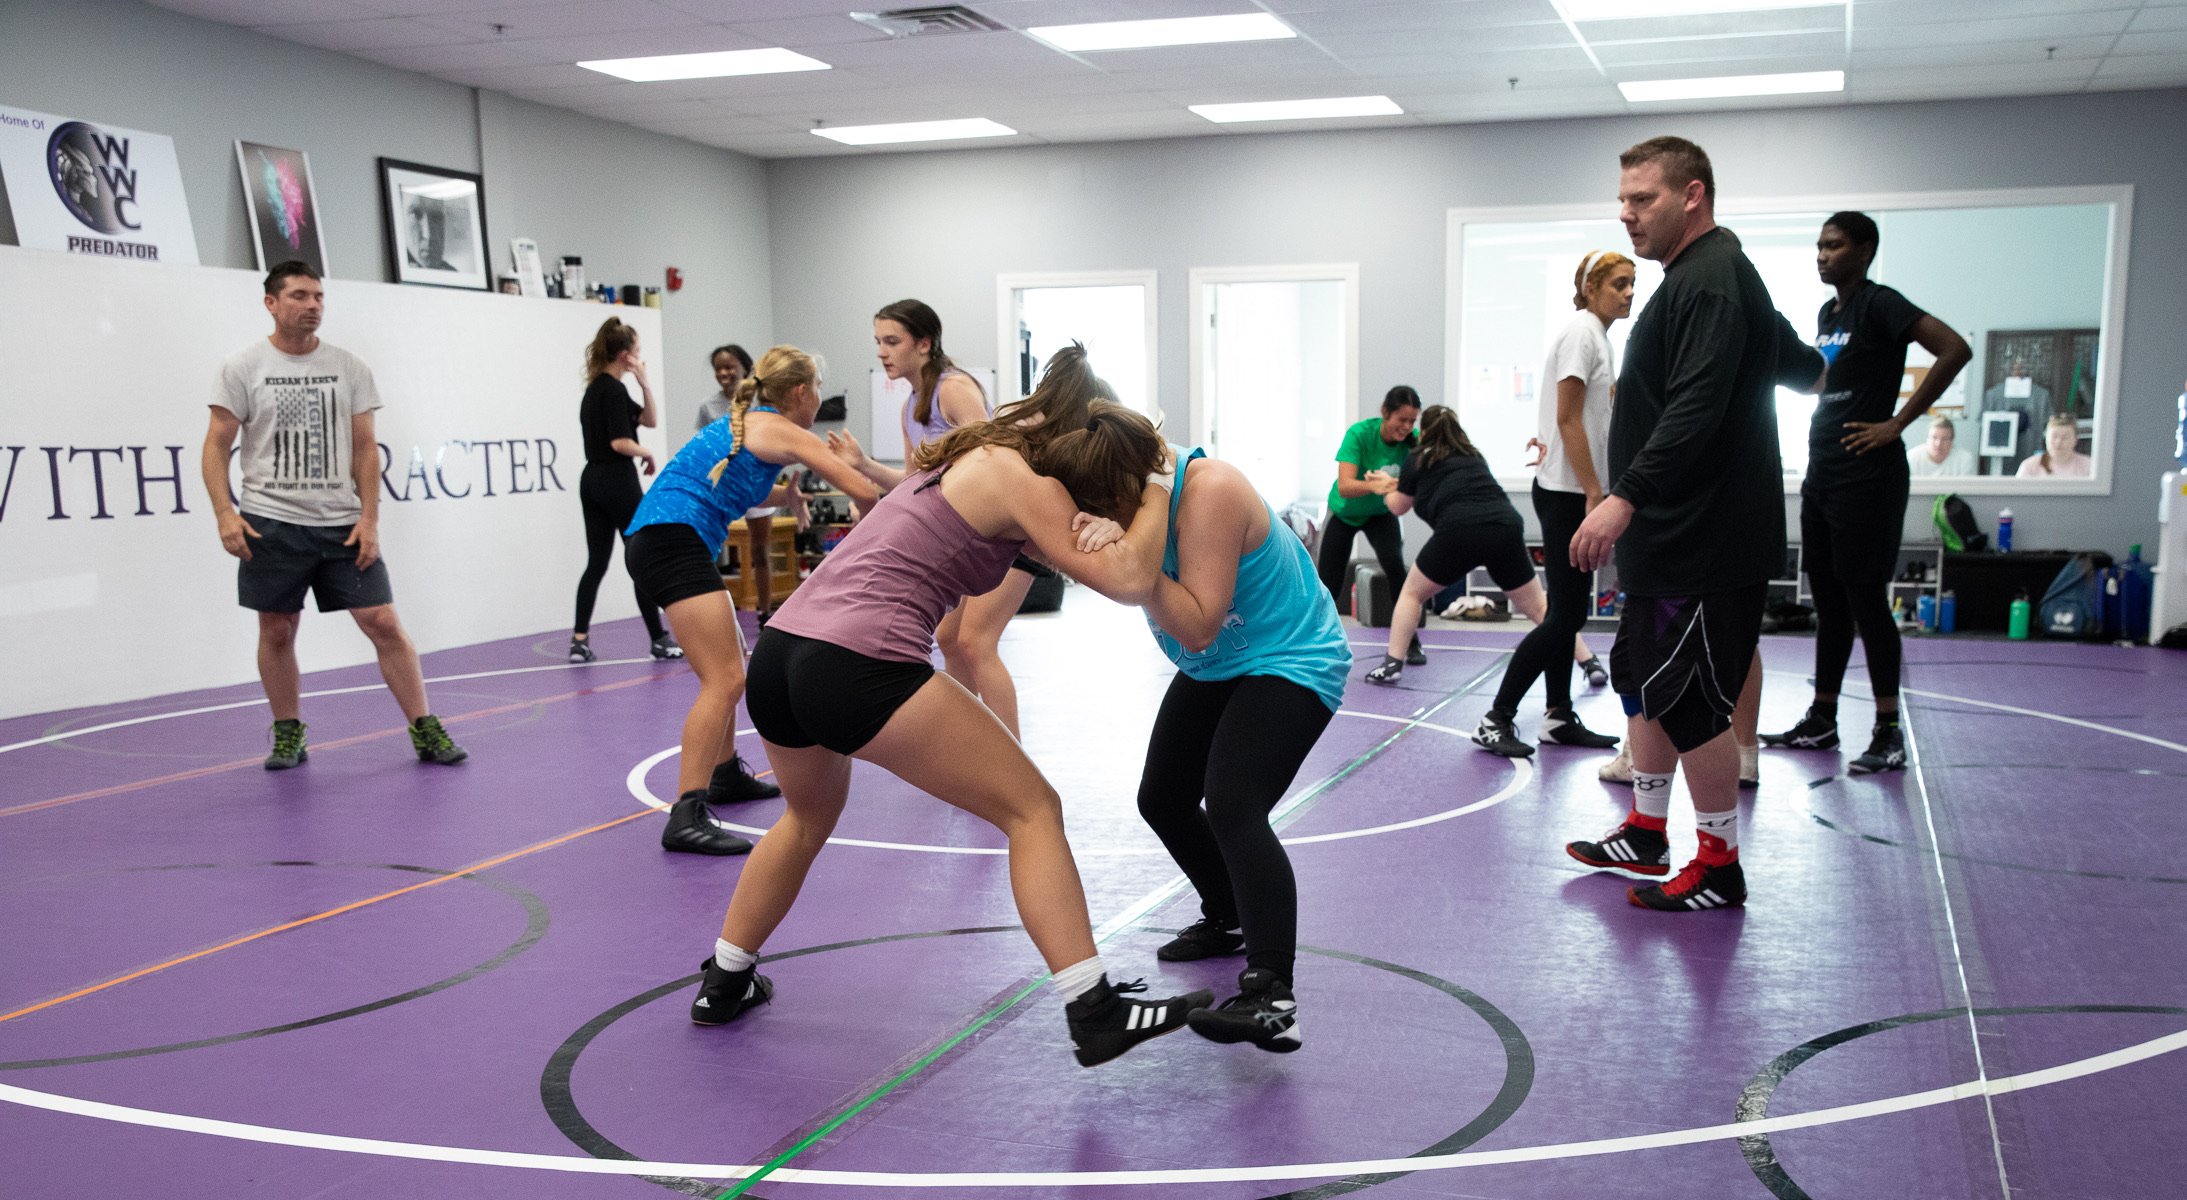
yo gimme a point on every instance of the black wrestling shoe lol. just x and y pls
(1497, 735)
(1204, 938)
(665, 647)
(691, 829)
(1263, 1013)
(725, 995)
(581, 650)
(432, 743)
(1414, 655)
(1629, 847)
(733, 782)
(1814, 732)
(1564, 728)
(1391, 670)
(1597, 674)
(1886, 752)
(1106, 1021)
(288, 746)
(1698, 886)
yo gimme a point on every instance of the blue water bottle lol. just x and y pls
(1925, 611)
(1947, 607)
(2004, 532)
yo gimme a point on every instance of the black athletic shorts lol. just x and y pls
(288, 560)
(1680, 660)
(1852, 533)
(1454, 550)
(1032, 566)
(670, 563)
(805, 692)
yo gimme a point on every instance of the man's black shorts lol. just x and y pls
(289, 560)
(1681, 660)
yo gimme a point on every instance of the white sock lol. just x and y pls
(1652, 794)
(731, 957)
(1723, 825)
(1750, 762)
(1078, 978)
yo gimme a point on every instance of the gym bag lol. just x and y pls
(1956, 526)
(2073, 604)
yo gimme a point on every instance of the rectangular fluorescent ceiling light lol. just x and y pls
(1723, 86)
(1618, 10)
(772, 61)
(915, 131)
(1172, 31)
(1299, 110)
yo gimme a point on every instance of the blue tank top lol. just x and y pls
(707, 485)
(1281, 622)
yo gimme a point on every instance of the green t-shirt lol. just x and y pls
(1363, 447)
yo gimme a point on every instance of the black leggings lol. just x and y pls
(1546, 651)
(1383, 533)
(1844, 607)
(609, 494)
(1237, 744)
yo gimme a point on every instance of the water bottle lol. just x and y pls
(2136, 585)
(1925, 611)
(2016, 626)
(2004, 532)
(1947, 607)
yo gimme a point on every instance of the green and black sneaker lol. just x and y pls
(288, 746)
(433, 743)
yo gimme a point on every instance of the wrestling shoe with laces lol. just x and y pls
(1263, 1013)
(581, 650)
(1204, 938)
(1414, 655)
(725, 995)
(691, 829)
(665, 647)
(433, 743)
(733, 782)
(1617, 770)
(1391, 670)
(1697, 885)
(1563, 727)
(1886, 752)
(288, 746)
(1108, 1019)
(1814, 732)
(1497, 735)
(1629, 847)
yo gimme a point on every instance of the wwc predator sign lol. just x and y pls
(96, 190)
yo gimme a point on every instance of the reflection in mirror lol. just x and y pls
(2030, 279)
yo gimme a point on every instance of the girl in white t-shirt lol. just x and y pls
(1577, 382)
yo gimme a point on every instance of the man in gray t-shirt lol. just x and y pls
(309, 520)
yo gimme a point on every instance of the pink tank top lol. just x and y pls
(882, 590)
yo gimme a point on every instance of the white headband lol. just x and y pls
(1588, 264)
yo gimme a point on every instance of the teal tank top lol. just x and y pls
(1281, 621)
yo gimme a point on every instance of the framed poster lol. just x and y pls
(94, 189)
(436, 225)
(282, 204)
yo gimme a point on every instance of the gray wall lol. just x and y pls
(631, 202)
(940, 226)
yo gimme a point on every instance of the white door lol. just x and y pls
(1276, 383)
(1111, 313)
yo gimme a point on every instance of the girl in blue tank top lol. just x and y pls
(673, 544)
(1261, 663)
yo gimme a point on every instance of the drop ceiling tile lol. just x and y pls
(638, 43)
(806, 33)
(2172, 43)
(1369, 48)
(1976, 80)
(2159, 20)
(524, 78)
(1406, 18)
(261, 12)
(603, 19)
(1978, 54)
(1712, 25)
(2001, 20)
(359, 37)
(1825, 47)
(2124, 65)
(467, 55)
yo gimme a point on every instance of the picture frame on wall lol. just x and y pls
(282, 205)
(436, 226)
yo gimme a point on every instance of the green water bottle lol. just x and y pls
(2016, 626)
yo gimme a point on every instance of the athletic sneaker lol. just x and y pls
(1564, 728)
(733, 783)
(724, 995)
(691, 829)
(1617, 770)
(1597, 674)
(433, 743)
(1414, 655)
(665, 647)
(1204, 938)
(1497, 735)
(1391, 670)
(581, 651)
(288, 746)
(1263, 1013)
(1106, 1020)
(1697, 886)
(1886, 752)
(1629, 847)
(1814, 732)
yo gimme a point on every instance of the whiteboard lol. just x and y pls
(887, 399)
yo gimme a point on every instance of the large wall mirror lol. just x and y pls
(2034, 279)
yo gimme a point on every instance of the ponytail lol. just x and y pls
(1441, 437)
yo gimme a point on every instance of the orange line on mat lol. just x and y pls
(238, 764)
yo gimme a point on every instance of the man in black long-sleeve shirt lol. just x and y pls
(1696, 515)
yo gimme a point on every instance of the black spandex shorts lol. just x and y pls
(670, 563)
(1032, 566)
(805, 692)
(289, 560)
(1454, 550)
(1680, 660)
(1851, 532)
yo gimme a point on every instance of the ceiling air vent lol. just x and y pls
(923, 22)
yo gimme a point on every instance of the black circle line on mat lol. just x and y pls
(557, 1095)
(536, 920)
(1971, 859)
(1754, 1098)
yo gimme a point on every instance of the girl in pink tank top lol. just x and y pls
(841, 672)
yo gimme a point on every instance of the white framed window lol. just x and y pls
(1275, 371)
(1111, 312)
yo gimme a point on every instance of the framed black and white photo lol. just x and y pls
(436, 225)
(283, 206)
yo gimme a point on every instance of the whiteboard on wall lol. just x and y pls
(104, 523)
(887, 397)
